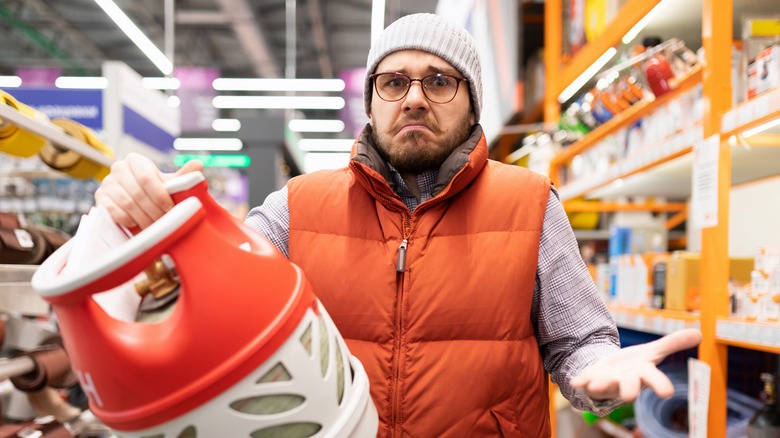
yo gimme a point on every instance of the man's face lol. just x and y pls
(414, 134)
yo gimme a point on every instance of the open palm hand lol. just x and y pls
(623, 374)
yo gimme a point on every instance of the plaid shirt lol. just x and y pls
(573, 326)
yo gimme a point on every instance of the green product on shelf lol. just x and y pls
(621, 414)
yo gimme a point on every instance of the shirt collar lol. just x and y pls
(425, 182)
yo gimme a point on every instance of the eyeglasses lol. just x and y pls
(438, 88)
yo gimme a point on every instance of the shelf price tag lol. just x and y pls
(698, 397)
(729, 121)
(705, 182)
(658, 325)
(745, 114)
(761, 107)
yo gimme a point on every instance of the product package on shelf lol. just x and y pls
(757, 297)
(761, 53)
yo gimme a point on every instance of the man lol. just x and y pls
(456, 280)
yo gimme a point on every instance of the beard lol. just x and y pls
(414, 152)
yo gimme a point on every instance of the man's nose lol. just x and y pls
(415, 98)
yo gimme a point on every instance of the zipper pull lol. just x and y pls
(401, 265)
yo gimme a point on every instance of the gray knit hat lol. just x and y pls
(430, 33)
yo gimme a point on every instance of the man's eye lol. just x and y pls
(396, 83)
(439, 82)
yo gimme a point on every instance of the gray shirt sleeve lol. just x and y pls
(272, 220)
(573, 325)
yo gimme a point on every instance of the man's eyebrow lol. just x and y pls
(443, 70)
(431, 69)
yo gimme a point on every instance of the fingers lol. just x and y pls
(598, 381)
(630, 385)
(133, 192)
(625, 385)
(188, 167)
(672, 343)
(656, 380)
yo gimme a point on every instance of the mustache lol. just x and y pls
(415, 117)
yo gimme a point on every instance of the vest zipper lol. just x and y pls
(401, 265)
(400, 269)
(399, 318)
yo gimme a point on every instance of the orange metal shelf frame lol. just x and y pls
(587, 206)
(755, 112)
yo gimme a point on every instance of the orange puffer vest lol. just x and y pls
(448, 343)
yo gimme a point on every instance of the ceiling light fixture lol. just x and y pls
(161, 83)
(208, 144)
(377, 19)
(251, 84)
(761, 128)
(135, 34)
(325, 144)
(312, 125)
(81, 82)
(10, 81)
(279, 102)
(634, 31)
(582, 79)
(226, 125)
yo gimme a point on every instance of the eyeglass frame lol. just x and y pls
(458, 80)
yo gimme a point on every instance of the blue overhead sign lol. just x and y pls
(82, 106)
(143, 130)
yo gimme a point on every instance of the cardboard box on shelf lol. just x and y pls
(683, 291)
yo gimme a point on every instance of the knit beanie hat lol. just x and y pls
(433, 34)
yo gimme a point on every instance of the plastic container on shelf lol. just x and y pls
(659, 74)
(15, 140)
(247, 351)
(72, 163)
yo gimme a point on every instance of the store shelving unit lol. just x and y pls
(655, 321)
(666, 170)
(749, 334)
(54, 134)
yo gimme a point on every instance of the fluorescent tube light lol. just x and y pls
(377, 19)
(578, 83)
(326, 160)
(135, 34)
(161, 83)
(81, 82)
(325, 144)
(251, 84)
(761, 128)
(207, 144)
(10, 81)
(283, 102)
(634, 31)
(312, 125)
(226, 125)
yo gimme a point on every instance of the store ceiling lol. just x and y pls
(243, 38)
